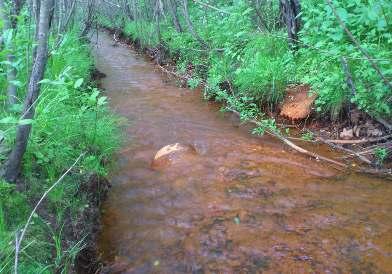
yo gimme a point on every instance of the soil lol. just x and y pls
(298, 103)
(88, 224)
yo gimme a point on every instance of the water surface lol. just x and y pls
(241, 205)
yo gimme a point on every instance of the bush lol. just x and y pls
(326, 42)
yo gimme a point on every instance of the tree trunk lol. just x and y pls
(89, 17)
(8, 27)
(173, 11)
(190, 25)
(69, 16)
(290, 10)
(157, 15)
(14, 162)
(127, 9)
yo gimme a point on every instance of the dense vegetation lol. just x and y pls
(242, 52)
(240, 49)
(71, 120)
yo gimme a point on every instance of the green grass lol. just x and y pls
(72, 117)
(257, 61)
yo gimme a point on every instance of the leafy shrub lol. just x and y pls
(326, 42)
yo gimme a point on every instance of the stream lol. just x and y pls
(239, 203)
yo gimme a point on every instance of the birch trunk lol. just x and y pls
(190, 25)
(11, 70)
(14, 162)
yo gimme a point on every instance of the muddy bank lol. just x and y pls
(88, 224)
(237, 203)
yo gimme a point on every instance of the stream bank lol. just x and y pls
(358, 142)
(241, 204)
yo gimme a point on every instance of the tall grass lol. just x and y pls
(71, 117)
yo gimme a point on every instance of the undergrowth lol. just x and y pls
(247, 59)
(71, 118)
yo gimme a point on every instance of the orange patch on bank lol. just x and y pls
(298, 102)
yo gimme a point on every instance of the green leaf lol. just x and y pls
(24, 122)
(342, 14)
(16, 108)
(237, 220)
(8, 120)
(78, 83)
(16, 83)
(102, 101)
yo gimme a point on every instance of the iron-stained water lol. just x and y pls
(242, 205)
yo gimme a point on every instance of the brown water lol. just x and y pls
(241, 205)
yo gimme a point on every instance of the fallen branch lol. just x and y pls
(362, 141)
(184, 77)
(385, 173)
(349, 151)
(19, 239)
(280, 137)
(387, 125)
(294, 146)
(379, 172)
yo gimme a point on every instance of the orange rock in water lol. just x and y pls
(171, 154)
(298, 104)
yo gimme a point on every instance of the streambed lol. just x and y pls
(241, 204)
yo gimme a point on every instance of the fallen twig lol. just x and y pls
(362, 141)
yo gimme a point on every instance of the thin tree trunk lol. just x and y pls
(69, 16)
(127, 9)
(15, 11)
(290, 10)
(14, 162)
(61, 15)
(11, 70)
(190, 25)
(157, 15)
(88, 21)
(173, 11)
(361, 49)
(260, 16)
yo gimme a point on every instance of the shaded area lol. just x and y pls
(241, 204)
